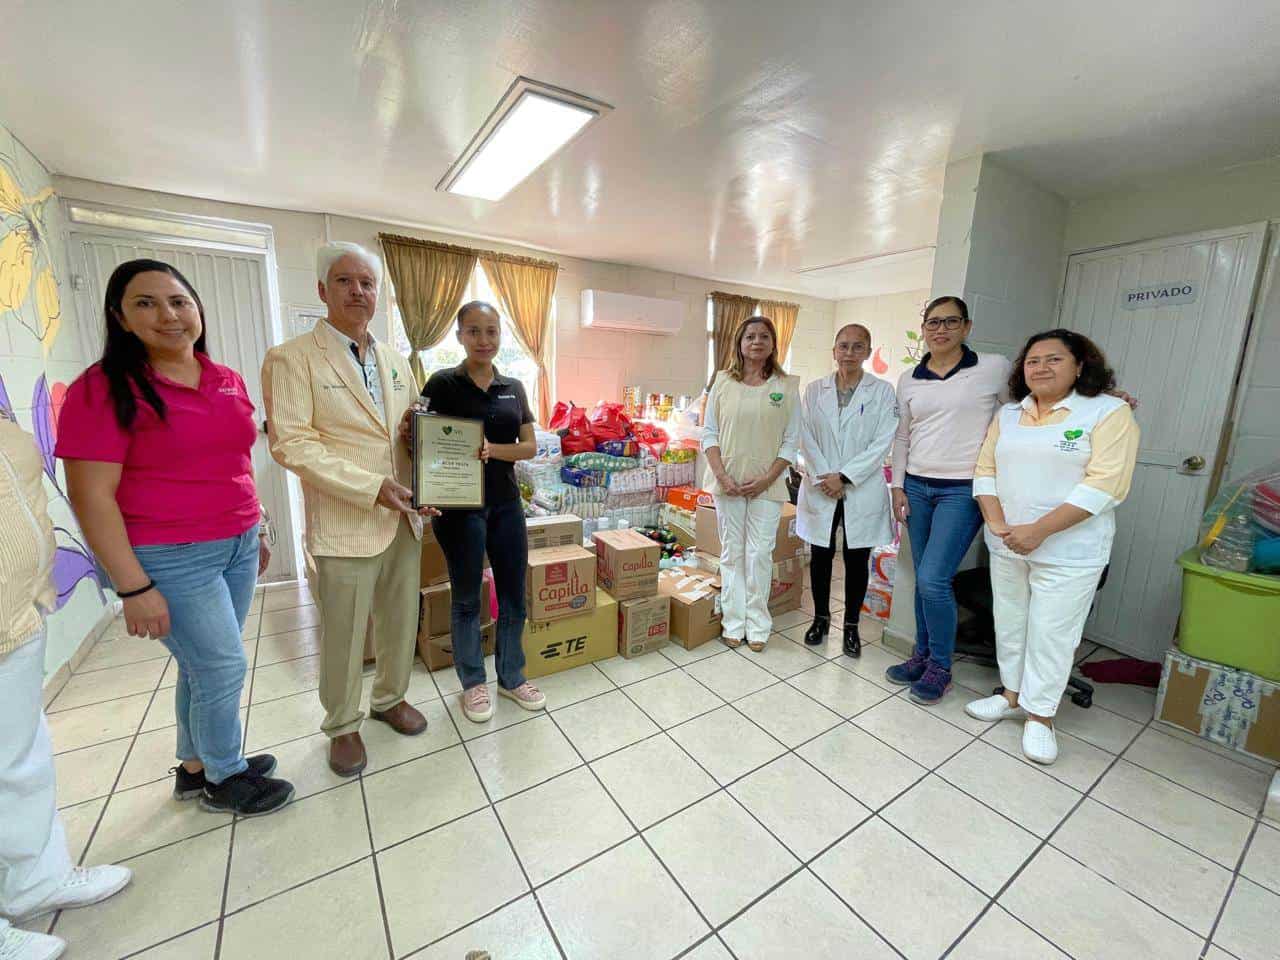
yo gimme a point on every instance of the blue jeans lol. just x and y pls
(464, 536)
(943, 522)
(209, 588)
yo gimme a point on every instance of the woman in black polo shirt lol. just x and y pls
(477, 390)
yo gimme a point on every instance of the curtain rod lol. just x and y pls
(469, 251)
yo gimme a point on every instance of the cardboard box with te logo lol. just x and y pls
(626, 563)
(561, 530)
(643, 625)
(561, 582)
(554, 645)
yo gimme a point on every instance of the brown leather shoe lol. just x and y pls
(401, 718)
(346, 755)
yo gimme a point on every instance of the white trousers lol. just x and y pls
(747, 532)
(1039, 610)
(33, 848)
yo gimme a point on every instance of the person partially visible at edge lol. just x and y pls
(1055, 464)
(477, 390)
(334, 396)
(945, 403)
(751, 434)
(37, 876)
(157, 439)
(848, 425)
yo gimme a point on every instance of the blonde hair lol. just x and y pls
(737, 362)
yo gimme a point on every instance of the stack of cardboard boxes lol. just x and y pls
(627, 567)
(788, 565)
(435, 645)
(570, 621)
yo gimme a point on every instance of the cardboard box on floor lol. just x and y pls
(560, 582)
(434, 569)
(787, 542)
(643, 625)
(554, 645)
(626, 563)
(435, 645)
(561, 530)
(1231, 707)
(695, 606)
(786, 583)
(437, 652)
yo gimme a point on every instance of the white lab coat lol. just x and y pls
(855, 442)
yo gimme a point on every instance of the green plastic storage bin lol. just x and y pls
(1230, 618)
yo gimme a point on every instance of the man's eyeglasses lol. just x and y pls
(938, 323)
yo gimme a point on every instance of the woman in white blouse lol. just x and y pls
(751, 433)
(848, 426)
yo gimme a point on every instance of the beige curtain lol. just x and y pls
(430, 279)
(728, 310)
(783, 315)
(525, 288)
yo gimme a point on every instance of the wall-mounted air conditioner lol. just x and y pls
(602, 310)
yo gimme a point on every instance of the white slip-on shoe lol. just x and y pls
(991, 709)
(1039, 742)
(84, 886)
(24, 945)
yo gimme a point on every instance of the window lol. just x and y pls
(512, 359)
(711, 338)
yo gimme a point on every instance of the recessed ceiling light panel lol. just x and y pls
(530, 124)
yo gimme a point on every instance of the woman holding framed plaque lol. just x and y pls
(476, 391)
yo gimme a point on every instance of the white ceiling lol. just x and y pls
(749, 141)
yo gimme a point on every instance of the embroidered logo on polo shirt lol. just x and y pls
(775, 399)
(506, 396)
(229, 391)
(1070, 441)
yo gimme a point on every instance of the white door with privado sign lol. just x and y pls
(1171, 316)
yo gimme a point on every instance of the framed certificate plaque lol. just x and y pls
(447, 470)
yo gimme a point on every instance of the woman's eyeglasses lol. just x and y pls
(938, 323)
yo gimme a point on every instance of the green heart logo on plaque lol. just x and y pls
(775, 397)
(447, 430)
(1073, 434)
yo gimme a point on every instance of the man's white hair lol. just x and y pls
(331, 253)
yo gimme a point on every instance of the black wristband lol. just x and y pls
(151, 585)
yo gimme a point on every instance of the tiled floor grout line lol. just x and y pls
(775, 680)
(1235, 876)
(377, 874)
(169, 939)
(1041, 845)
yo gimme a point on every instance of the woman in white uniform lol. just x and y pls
(848, 424)
(751, 433)
(1053, 468)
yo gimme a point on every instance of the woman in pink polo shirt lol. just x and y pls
(157, 440)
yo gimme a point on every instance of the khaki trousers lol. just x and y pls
(357, 596)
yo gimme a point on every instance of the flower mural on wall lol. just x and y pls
(73, 561)
(26, 262)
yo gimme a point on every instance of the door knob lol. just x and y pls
(1193, 463)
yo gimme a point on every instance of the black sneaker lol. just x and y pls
(188, 786)
(246, 795)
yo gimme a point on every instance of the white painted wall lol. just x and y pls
(889, 318)
(1000, 247)
(1187, 203)
(590, 364)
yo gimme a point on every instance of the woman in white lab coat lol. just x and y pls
(848, 425)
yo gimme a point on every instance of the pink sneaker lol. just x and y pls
(526, 695)
(476, 704)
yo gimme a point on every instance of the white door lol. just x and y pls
(233, 288)
(1171, 316)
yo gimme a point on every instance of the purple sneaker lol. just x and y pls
(904, 674)
(930, 687)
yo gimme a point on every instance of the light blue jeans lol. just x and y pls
(209, 588)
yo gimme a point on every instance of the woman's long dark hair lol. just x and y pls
(1095, 376)
(124, 357)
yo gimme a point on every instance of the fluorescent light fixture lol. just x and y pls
(530, 124)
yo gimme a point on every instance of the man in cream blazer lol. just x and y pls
(334, 398)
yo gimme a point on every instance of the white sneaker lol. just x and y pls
(991, 709)
(1039, 742)
(86, 885)
(24, 945)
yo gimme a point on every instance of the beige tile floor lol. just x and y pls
(704, 804)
